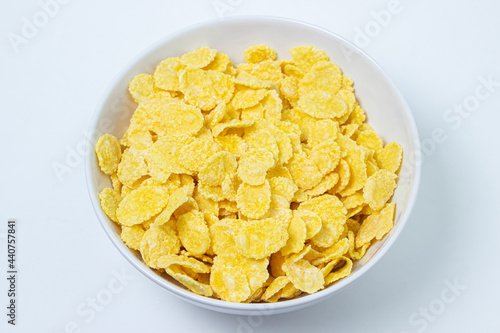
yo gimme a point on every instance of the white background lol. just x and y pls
(435, 51)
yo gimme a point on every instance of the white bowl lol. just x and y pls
(386, 110)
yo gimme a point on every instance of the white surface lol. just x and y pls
(390, 116)
(435, 52)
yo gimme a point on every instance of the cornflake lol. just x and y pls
(250, 183)
(108, 153)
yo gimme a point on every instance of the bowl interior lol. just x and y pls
(386, 110)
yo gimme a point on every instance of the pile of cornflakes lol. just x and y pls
(253, 183)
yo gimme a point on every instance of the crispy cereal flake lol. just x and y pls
(222, 128)
(235, 278)
(132, 167)
(158, 242)
(199, 58)
(340, 273)
(164, 153)
(193, 232)
(252, 82)
(258, 239)
(356, 160)
(275, 288)
(132, 236)
(190, 283)
(283, 186)
(220, 63)
(327, 183)
(379, 188)
(390, 157)
(296, 236)
(141, 204)
(254, 201)
(109, 200)
(217, 167)
(183, 261)
(167, 72)
(254, 164)
(370, 140)
(176, 199)
(376, 225)
(305, 173)
(259, 53)
(306, 56)
(304, 276)
(170, 116)
(142, 86)
(206, 89)
(311, 219)
(322, 105)
(197, 152)
(323, 76)
(246, 98)
(108, 153)
(333, 217)
(222, 236)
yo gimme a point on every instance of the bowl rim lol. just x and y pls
(216, 304)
